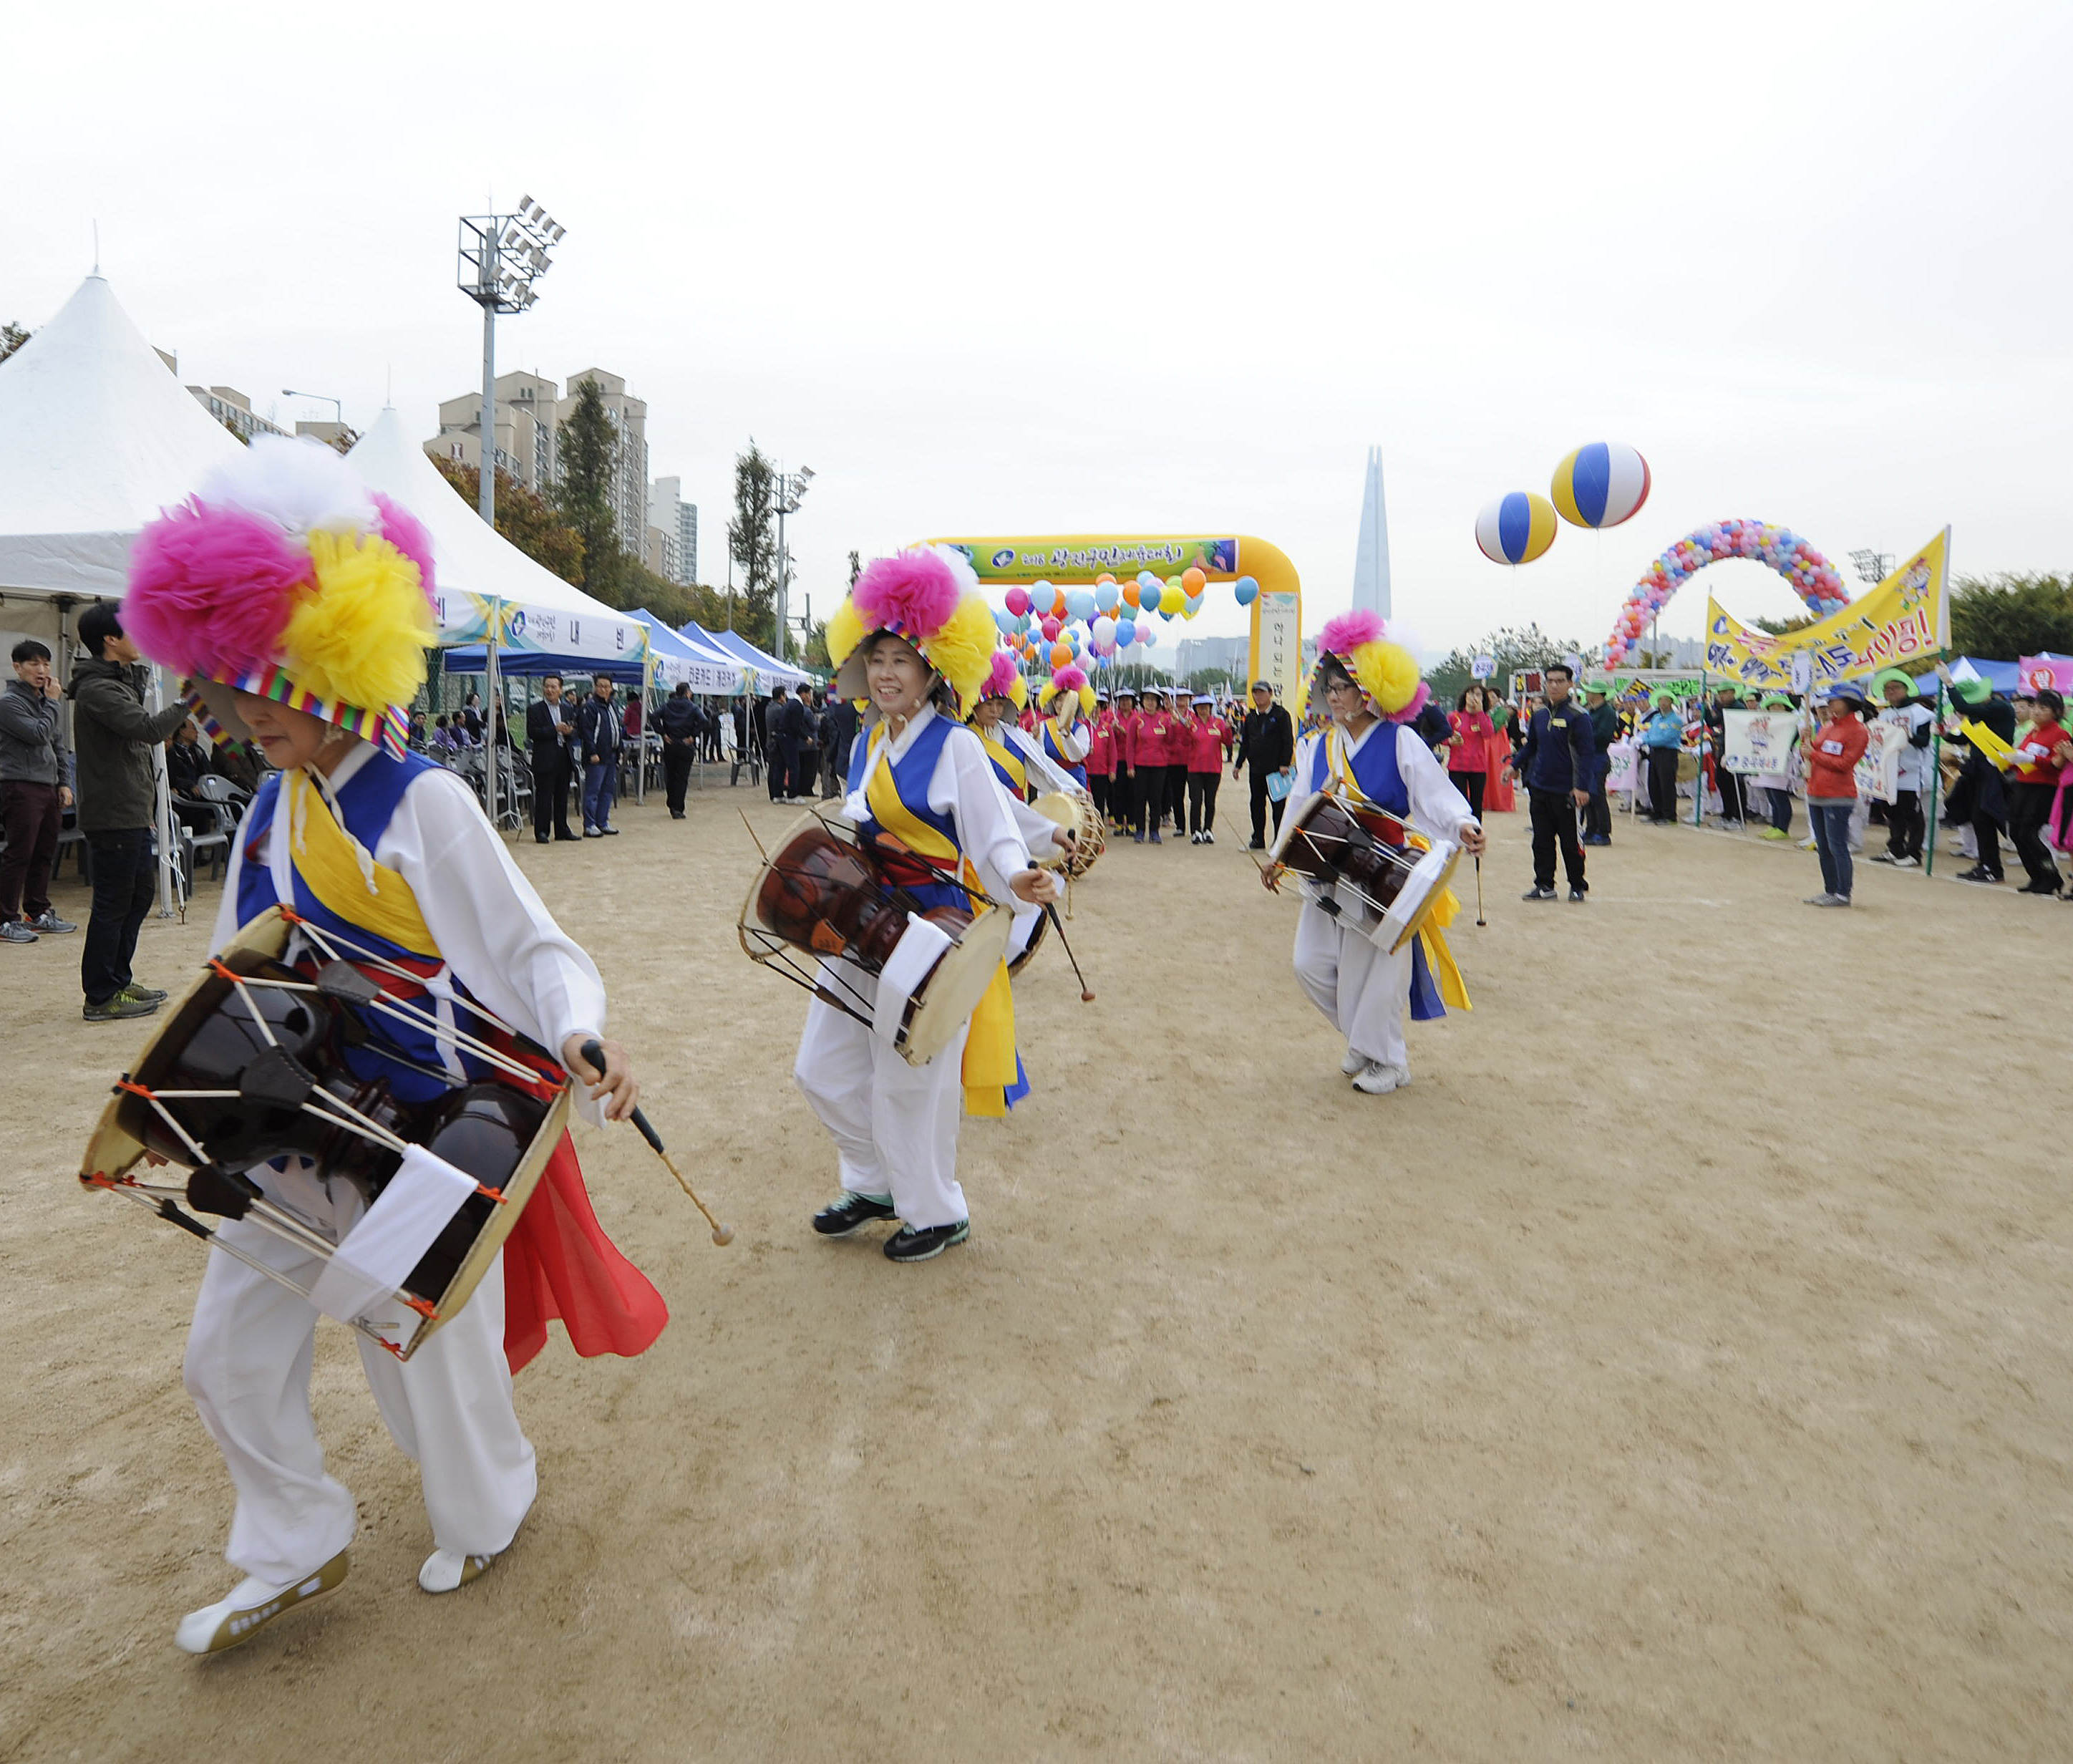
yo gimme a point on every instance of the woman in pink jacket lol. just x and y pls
(1469, 746)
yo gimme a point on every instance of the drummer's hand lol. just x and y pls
(1469, 837)
(615, 1085)
(1039, 888)
(1270, 875)
(1066, 839)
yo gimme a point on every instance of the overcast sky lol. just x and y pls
(1121, 267)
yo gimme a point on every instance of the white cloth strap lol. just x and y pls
(913, 958)
(375, 1257)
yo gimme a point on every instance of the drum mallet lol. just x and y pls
(1479, 919)
(721, 1234)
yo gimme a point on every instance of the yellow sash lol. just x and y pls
(989, 1061)
(1006, 758)
(1453, 990)
(328, 859)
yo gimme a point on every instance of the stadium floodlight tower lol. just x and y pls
(502, 256)
(790, 487)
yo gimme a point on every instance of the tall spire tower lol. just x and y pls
(1371, 559)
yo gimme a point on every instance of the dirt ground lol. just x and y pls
(1678, 1369)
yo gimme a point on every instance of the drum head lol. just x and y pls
(1016, 964)
(944, 1002)
(518, 1189)
(1421, 893)
(113, 1150)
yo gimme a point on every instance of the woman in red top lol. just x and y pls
(1101, 758)
(2033, 783)
(1123, 794)
(1831, 790)
(1469, 746)
(1207, 738)
(1151, 759)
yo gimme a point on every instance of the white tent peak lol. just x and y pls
(96, 437)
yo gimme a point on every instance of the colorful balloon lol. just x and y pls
(1192, 580)
(1079, 603)
(1246, 589)
(1814, 579)
(1061, 655)
(1133, 592)
(1515, 528)
(1126, 633)
(1150, 596)
(1107, 594)
(1018, 600)
(1599, 484)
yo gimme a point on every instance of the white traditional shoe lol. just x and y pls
(1353, 1064)
(448, 1571)
(1379, 1080)
(252, 1606)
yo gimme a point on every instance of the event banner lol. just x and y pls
(553, 631)
(1902, 623)
(1628, 685)
(463, 617)
(1758, 743)
(2037, 671)
(1074, 558)
(1278, 620)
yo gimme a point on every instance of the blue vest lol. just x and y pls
(1077, 768)
(393, 1049)
(913, 773)
(1374, 767)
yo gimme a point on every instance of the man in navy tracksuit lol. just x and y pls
(1558, 762)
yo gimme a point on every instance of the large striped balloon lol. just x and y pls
(1515, 528)
(1599, 484)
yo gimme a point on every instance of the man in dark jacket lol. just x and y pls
(118, 743)
(1267, 743)
(1734, 806)
(551, 732)
(785, 727)
(598, 729)
(681, 728)
(839, 727)
(1556, 762)
(1605, 731)
(35, 793)
(1980, 780)
(803, 780)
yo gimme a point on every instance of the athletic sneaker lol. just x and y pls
(1208, 837)
(1194, 838)
(1832, 900)
(1976, 874)
(1576, 896)
(1538, 894)
(908, 1245)
(1907, 864)
(1883, 857)
(1817, 899)
(112, 1010)
(2055, 886)
(14, 931)
(1776, 833)
(50, 925)
(1156, 840)
(852, 1211)
(1377, 1079)
(144, 994)
(1353, 1064)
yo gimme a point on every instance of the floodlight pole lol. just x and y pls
(791, 487)
(501, 257)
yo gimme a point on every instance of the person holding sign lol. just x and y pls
(1905, 825)
(1831, 790)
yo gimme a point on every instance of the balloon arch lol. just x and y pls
(1812, 577)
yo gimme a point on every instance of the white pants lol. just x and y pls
(895, 1125)
(449, 1408)
(1361, 988)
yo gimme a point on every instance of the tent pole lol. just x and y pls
(489, 728)
(640, 753)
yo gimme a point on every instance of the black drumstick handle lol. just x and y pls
(593, 1050)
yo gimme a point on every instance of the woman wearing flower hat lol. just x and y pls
(302, 605)
(1370, 753)
(1018, 762)
(1066, 700)
(916, 638)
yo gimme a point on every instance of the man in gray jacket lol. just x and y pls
(35, 793)
(116, 741)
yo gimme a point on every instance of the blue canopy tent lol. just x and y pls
(768, 670)
(680, 662)
(2000, 676)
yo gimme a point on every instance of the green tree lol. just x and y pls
(524, 518)
(588, 449)
(2004, 616)
(855, 568)
(12, 337)
(752, 541)
(1514, 648)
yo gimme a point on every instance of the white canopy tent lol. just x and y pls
(96, 436)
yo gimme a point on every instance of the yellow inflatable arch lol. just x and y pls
(1072, 560)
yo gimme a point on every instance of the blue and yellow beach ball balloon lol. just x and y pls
(1599, 484)
(1515, 528)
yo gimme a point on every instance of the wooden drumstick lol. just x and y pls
(721, 1234)
(1086, 992)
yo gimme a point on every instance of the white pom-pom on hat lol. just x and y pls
(300, 484)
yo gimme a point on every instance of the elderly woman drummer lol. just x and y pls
(1371, 754)
(916, 638)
